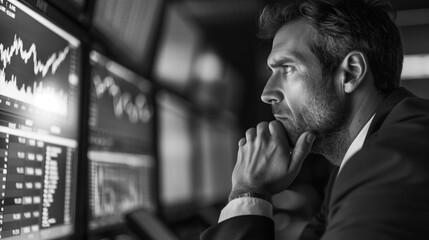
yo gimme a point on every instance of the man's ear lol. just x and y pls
(354, 68)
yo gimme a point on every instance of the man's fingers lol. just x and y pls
(250, 134)
(242, 142)
(301, 150)
(262, 130)
(277, 130)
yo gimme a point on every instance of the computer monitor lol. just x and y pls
(177, 148)
(178, 46)
(218, 148)
(129, 28)
(77, 4)
(120, 151)
(75, 9)
(40, 87)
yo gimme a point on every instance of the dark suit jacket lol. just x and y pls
(381, 193)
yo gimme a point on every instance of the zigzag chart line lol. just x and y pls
(47, 98)
(122, 102)
(17, 48)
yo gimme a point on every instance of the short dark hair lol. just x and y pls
(343, 26)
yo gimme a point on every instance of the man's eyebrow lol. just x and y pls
(278, 61)
(291, 57)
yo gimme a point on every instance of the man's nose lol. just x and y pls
(272, 91)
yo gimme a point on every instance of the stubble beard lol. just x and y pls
(324, 115)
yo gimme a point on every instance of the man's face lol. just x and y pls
(301, 98)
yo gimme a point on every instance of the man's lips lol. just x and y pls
(279, 114)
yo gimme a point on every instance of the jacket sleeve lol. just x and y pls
(316, 227)
(249, 227)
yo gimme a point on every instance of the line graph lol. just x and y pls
(33, 92)
(47, 98)
(123, 104)
(17, 48)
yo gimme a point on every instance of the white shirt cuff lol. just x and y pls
(246, 206)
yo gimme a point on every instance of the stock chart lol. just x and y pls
(39, 89)
(122, 167)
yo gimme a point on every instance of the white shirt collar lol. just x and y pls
(357, 143)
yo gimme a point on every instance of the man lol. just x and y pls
(334, 90)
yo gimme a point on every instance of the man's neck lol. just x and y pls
(334, 146)
(362, 107)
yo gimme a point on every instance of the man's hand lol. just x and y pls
(266, 163)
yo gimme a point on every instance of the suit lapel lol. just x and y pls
(385, 107)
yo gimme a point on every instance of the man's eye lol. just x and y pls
(287, 68)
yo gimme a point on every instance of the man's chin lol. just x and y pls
(292, 132)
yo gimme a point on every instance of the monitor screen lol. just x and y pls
(39, 124)
(179, 43)
(122, 165)
(79, 3)
(130, 25)
(176, 151)
(74, 8)
(218, 148)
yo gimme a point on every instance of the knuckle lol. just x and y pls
(242, 141)
(250, 135)
(262, 125)
(275, 123)
(250, 131)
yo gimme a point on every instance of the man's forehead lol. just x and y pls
(292, 40)
(295, 31)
